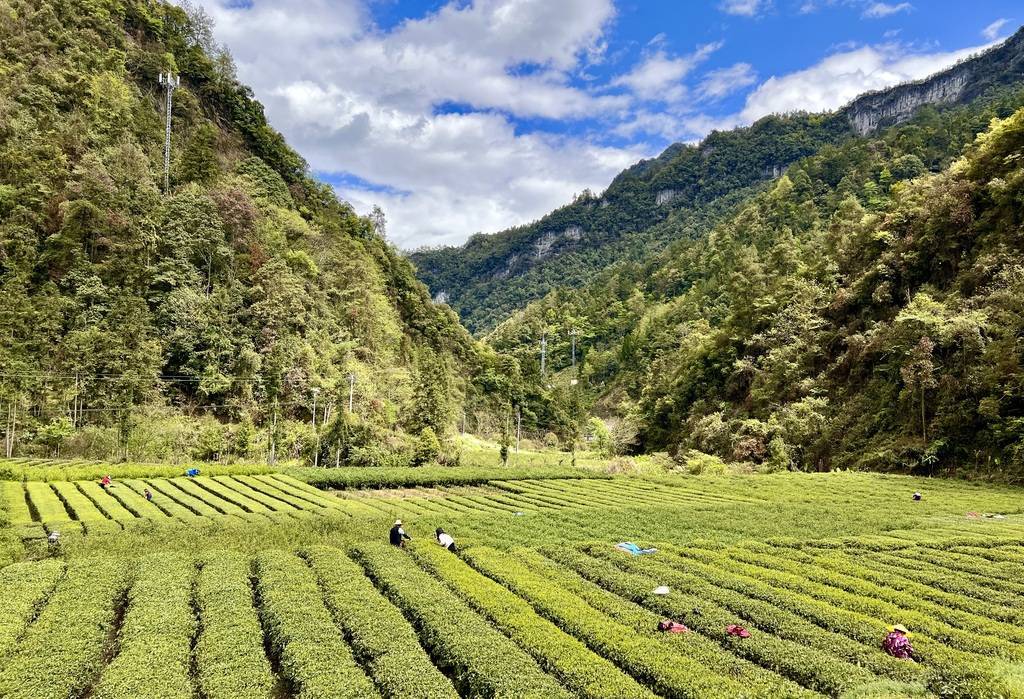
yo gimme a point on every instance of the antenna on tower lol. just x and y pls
(170, 83)
(544, 353)
(573, 333)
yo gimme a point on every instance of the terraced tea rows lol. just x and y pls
(555, 621)
(536, 496)
(40, 506)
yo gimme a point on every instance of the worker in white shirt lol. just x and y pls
(445, 539)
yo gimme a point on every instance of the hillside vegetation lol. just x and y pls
(861, 312)
(200, 322)
(661, 200)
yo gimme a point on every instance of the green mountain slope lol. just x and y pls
(861, 312)
(491, 276)
(238, 295)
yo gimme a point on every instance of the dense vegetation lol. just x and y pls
(861, 312)
(493, 275)
(674, 195)
(200, 322)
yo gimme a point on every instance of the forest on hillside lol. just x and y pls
(862, 312)
(208, 320)
(803, 298)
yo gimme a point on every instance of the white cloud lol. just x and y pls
(991, 32)
(725, 81)
(841, 77)
(425, 111)
(744, 8)
(426, 118)
(877, 10)
(659, 77)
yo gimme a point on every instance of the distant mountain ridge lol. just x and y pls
(493, 275)
(1000, 65)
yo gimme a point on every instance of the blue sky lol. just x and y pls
(474, 115)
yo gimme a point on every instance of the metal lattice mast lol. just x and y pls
(573, 334)
(544, 354)
(170, 83)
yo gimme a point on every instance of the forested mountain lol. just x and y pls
(205, 320)
(863, 311)
(674, 195)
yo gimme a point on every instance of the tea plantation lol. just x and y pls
(260, 584)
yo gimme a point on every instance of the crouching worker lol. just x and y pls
(897, 643)
(397, 535)
(445, 539)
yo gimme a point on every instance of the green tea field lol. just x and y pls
(263, 585)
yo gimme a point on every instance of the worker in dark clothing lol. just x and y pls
(397, 535)
(445, 539)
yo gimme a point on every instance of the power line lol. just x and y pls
(126, 377)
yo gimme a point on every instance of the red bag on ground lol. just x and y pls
(670, 626)
(737, 630)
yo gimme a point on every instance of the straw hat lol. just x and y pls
(398, 522)
(901, 628)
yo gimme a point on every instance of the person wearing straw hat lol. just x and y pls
(897, 643)
(397, 536)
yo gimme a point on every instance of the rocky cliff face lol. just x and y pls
(873, 111)
(964, 81)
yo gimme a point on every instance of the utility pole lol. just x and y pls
(170, 83)
(273, 437)
(316, 454)
(519, 426)
(351, 389)
(544, 353)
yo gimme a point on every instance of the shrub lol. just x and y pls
(47, 505)
(481, 660)
(802, 651)
(697, 463)
(155, 640)
(582, 671)
(427, 447)
(26, 587)
(314, 657)
(351, 477)
(383, 641)
(644, 657)
(229, 652)
(62, 652)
